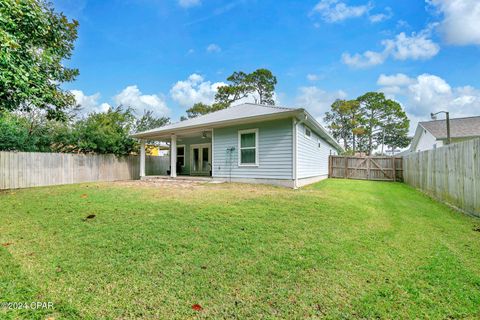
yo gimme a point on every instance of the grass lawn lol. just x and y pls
(337, 249)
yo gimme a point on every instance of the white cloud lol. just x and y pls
(194, 89)
(417, 46)
(211, 48)
(89, 104)
(428, 93)
(335, 10)
(364, 60)
(461, 20)
(189, 3)
(379, 17)
(316, 100)
(132, 97)
(312, 77)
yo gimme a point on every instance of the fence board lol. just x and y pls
(366, 168)
(450, 174)
(34, 169)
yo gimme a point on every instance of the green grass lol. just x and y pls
(337, 249)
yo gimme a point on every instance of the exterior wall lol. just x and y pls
(427, 142)
(275, 139)
(187, 142)
(312, 160)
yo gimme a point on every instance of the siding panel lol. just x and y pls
(312, 160)
(275, 139)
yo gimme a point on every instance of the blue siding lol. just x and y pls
(275, 139)
(312, 160)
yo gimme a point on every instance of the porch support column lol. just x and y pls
(173, 156)
(142, 159)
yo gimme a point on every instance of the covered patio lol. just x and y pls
(190, 153)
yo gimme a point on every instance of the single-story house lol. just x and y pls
(248, 143)
(433, 134)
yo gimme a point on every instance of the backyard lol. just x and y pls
(337, 249)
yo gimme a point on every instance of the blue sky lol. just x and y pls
(165, 55)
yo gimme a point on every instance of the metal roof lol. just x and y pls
(459, 127)
(242, 113)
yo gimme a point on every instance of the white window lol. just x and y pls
(181, 156)
(308, 133)
(248, 147)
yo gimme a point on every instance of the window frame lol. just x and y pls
(305, 132)
(182, 156)
(240, 132)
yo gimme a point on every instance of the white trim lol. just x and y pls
(240, 132)
(184, 153)
(173, 156)
(200, 145)
(213, 154)
(309, 137)
(142, 158)
(294, 151)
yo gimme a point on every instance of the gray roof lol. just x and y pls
(243, 113)
(459, 127)
(238, 112)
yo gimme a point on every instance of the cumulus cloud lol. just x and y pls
(313, 77)
(189, 3)
(417, 46)
(336, 11)
(194, 89)
(428, 93)
(380, 17)
(88, 103)
(461, 21)
(132, 97)
(212, 48)
(317, 101)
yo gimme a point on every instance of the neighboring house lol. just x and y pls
(157, 150)
(433, 134)
(248, 143)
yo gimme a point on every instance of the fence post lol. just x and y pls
(394, 169)
(346, 167)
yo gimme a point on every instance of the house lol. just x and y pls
(433, 134)
(248, 143)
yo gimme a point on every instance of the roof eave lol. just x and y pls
(218, 124)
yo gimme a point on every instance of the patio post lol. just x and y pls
(173, 156)
(142, 158)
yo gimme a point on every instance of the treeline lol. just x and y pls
(106, 132)
(368, 122)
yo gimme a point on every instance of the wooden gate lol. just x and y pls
(366, 168)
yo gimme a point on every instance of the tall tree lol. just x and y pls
(262, 83)
(35, 41)
(259, 84)
(345, 122)
(381, 114)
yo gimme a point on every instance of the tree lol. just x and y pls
(344, 121)
(262, 82)
(395, 127)
(380, 114)
(106, 132)
(35, 41)
(148, 121)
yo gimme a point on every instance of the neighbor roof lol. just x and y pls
(243, 113)
(459, 127)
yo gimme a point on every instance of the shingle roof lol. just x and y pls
(238, 112)
(459, 127)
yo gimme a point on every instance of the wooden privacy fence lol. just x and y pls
(450, 174)
(34, 169)
(366, 168)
